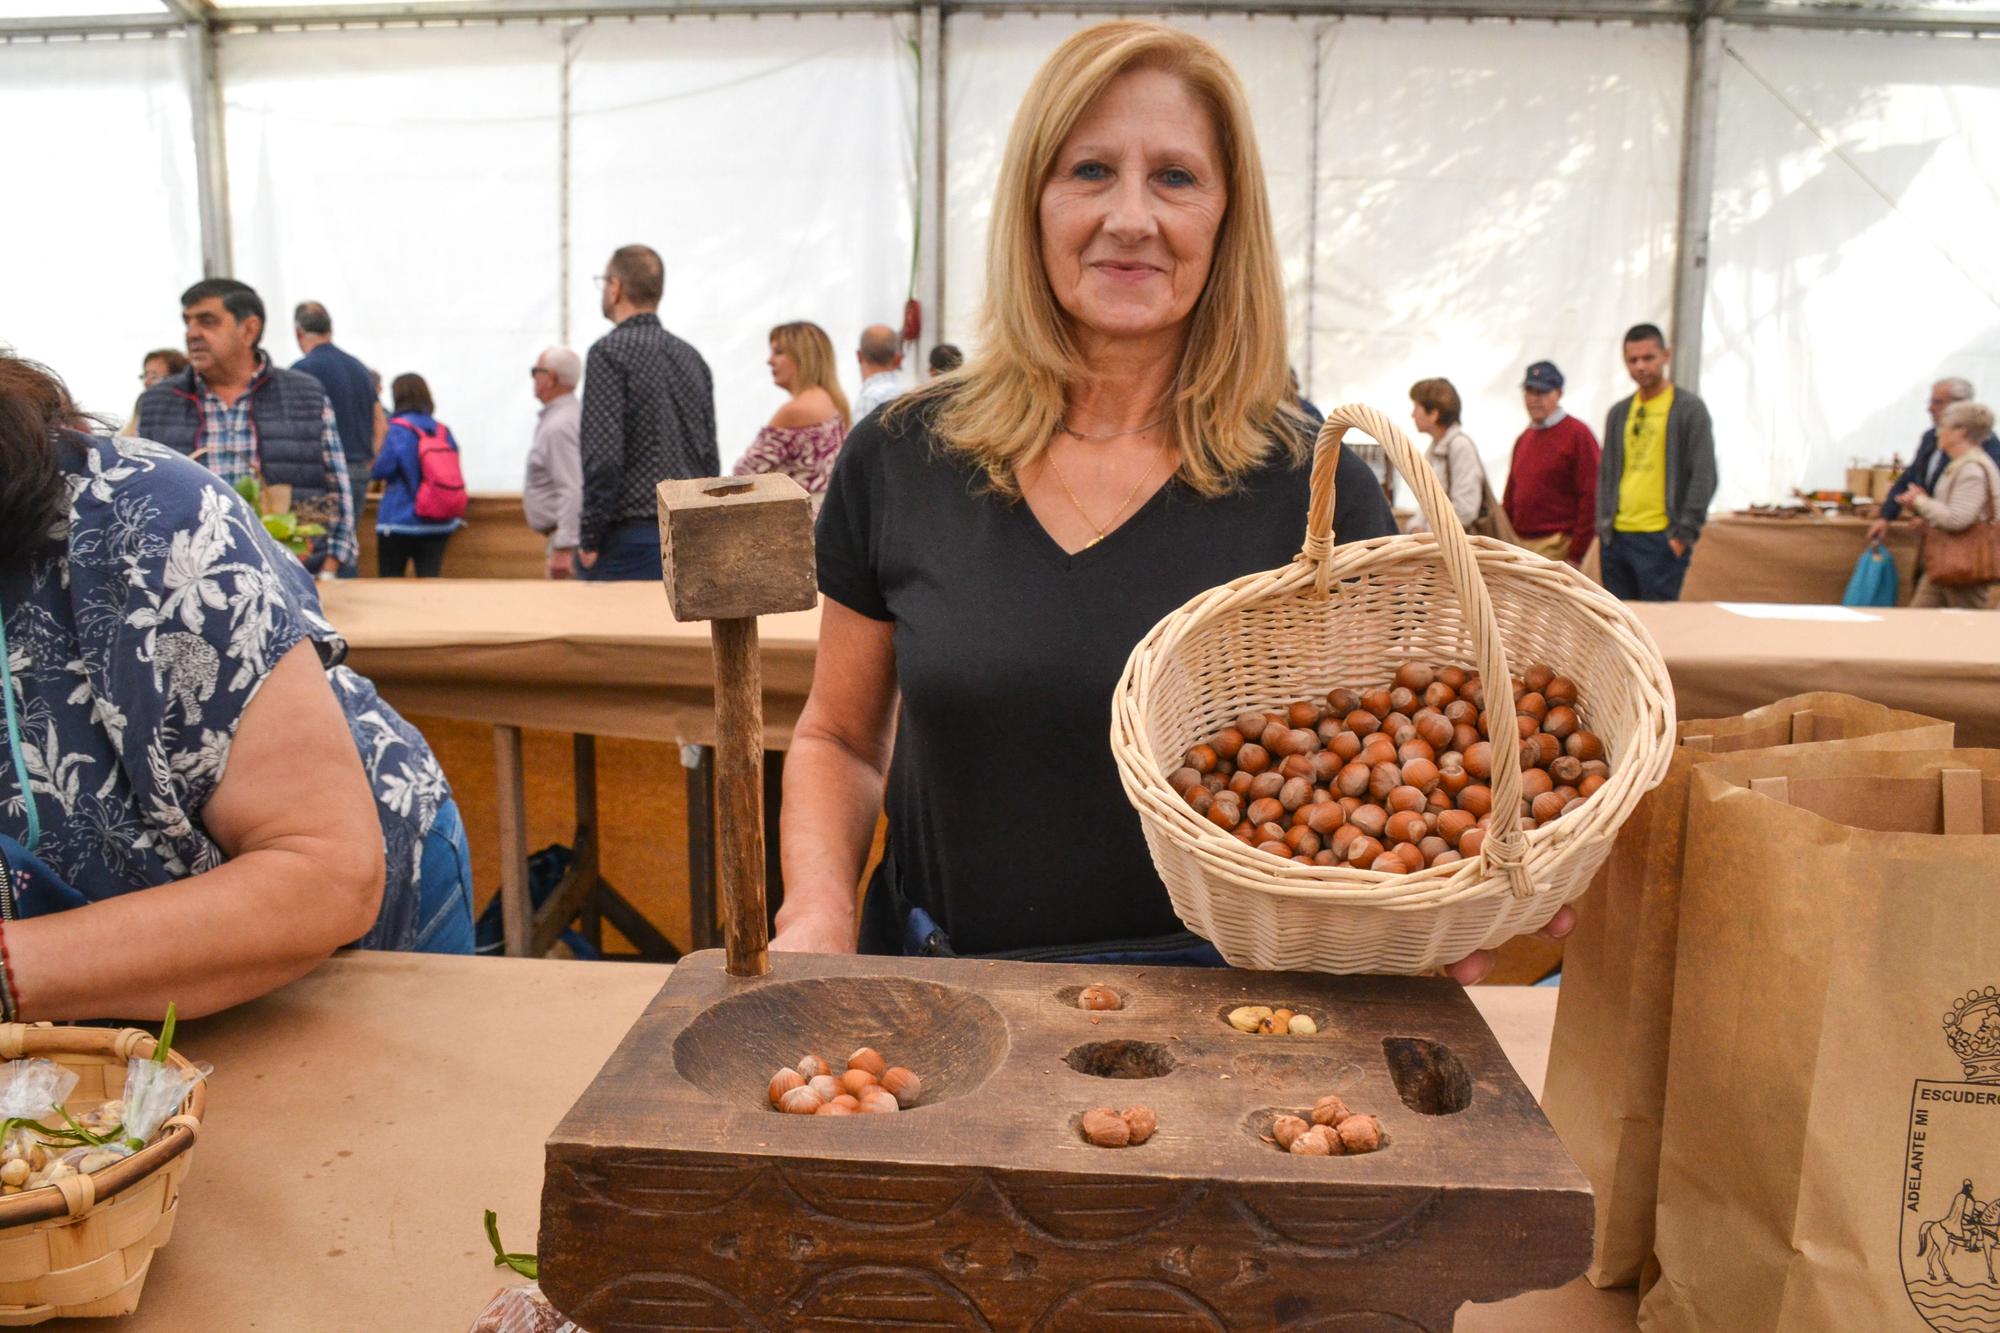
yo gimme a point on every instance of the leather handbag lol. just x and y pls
(1966, 557)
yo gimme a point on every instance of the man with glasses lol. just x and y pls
(553, 495)
(648, 414)
(1930, 460)
(1655, 479)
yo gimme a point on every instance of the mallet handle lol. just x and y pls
(739, 789)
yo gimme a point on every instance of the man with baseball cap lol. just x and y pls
(1551, 494)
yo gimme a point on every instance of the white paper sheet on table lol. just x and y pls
(1795, 611)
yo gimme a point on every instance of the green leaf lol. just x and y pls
(166, 1042)
(524, 1264)
(252, 491)
(281, 526)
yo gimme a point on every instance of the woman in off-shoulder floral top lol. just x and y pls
(805, 435)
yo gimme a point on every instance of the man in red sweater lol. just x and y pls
(1552, 485)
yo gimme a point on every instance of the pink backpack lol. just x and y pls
(441, 482)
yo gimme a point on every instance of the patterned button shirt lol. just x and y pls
(135, 647)
(228, 448)
(648, 414)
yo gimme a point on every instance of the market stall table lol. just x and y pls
(363, 1118)
(1809, 558)
(1944, 664)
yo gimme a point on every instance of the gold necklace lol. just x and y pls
(1102, 533)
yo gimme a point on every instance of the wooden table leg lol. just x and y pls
(699, 762)
(516, 911)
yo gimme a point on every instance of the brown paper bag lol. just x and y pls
(1831, 1157)
(1608, 1055)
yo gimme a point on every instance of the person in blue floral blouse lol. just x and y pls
(178, 721)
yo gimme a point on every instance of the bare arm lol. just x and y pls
(833, 780)
(304, 876)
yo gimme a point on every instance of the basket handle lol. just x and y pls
(1506, 847)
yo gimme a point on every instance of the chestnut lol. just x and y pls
(1252, 758)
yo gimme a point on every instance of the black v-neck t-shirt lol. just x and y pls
(1007, 822)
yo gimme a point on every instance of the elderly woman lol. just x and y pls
(1435, 408)
(197, 802)
(1968, 493)
(994, 543)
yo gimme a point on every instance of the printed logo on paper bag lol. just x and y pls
(1951, 1184)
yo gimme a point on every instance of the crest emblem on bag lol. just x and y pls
(1951, 1179)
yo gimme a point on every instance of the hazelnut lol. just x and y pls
(1532, 705)
(15, 1172)
(1352, 780)
(1244, 1018)
(1461, 710)
(1584, 745)
(1265, 810)
(851, 1103)
(1566, 769)
(1588, 786)
(1453, 824)
(866, 1058)
(1325, 857)
(1409, 859)
(1526, 725)
(1202, 758)
(1295, 766)
(826, 1086)
(1200, 800)
(1325, 765)
(1337, 842)
(1446, 859)
(1286, 1128)
(1377, 702)
(1251, 725)
(1363, 852)
(1300, 742)
(783, 1082)
(1106, 1128)
(1225, 813)
(800, 1101)
(1436, 731)
(1314, 1142)
(1469, 845)
(1594, 766)
(1415, 675)
(1252, 758)
(1323, 818)
(1270, 831)
(1545, 807)
(1346, 745)
(1274, 847)
(857, 1081)
(1476, 799)
(1265, 784)
(1433, 847)
(878, 1100)
(1560, 722)
(1363, 723)
(1140, 1122)
(1383, 779)
(1302, 840)
(1547, 749)
(1239, 783)
(1454, 676)
(1304, 713)
(1405, 798)
(1360, 1133)
(1534, 782)
(1090, 997)
(1464, 736)
(1184, 780)
(1453, 779)
(1479, 760)
(1301, 1025)
(835, 1108)
(1342, 701)
(1573, 803)
(1537, 678)
(1329, 1110)
(1405, 826)
(1295, 793)
(1417, 751)
(1273, 735)
(1403, 699)
(1473, 691)
(904, 1086)
(1437, 694)
(1228, 741)
(1399, 729)
(1437, 801)
(811, 1065)
(1560, 690)
(1372, 820)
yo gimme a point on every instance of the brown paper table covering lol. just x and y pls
(361, 1120)
(495, 543)
(1747, 558)
(1944, 664)
(603, 659)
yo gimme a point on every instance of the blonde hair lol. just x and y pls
(1975, 419)
(1231, 397)
(812, 357)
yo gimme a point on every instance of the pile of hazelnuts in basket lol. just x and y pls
(868, 1085)
(1393, 778)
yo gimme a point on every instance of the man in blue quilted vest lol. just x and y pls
(234, 411)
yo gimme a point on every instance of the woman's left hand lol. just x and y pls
(1473, 968)
(1911, 494)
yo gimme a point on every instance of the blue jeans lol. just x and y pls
(444, 887)
(357, 485)
(1641, 567)
(631, 552)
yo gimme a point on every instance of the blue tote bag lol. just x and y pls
(1874, 580)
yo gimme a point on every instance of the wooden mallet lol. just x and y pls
(735, 548)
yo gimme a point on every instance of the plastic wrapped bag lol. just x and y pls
(522, 1309)
(29, 1091)
(154, 1092)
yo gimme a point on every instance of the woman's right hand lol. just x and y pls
(815, 931)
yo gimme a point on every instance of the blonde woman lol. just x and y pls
(804, 436)
(994, 543)
(1968, 492)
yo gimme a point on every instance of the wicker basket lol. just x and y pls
(83, 1245)
(1349, 615)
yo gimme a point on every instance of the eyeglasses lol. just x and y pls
(600, 279)
(538, 370)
